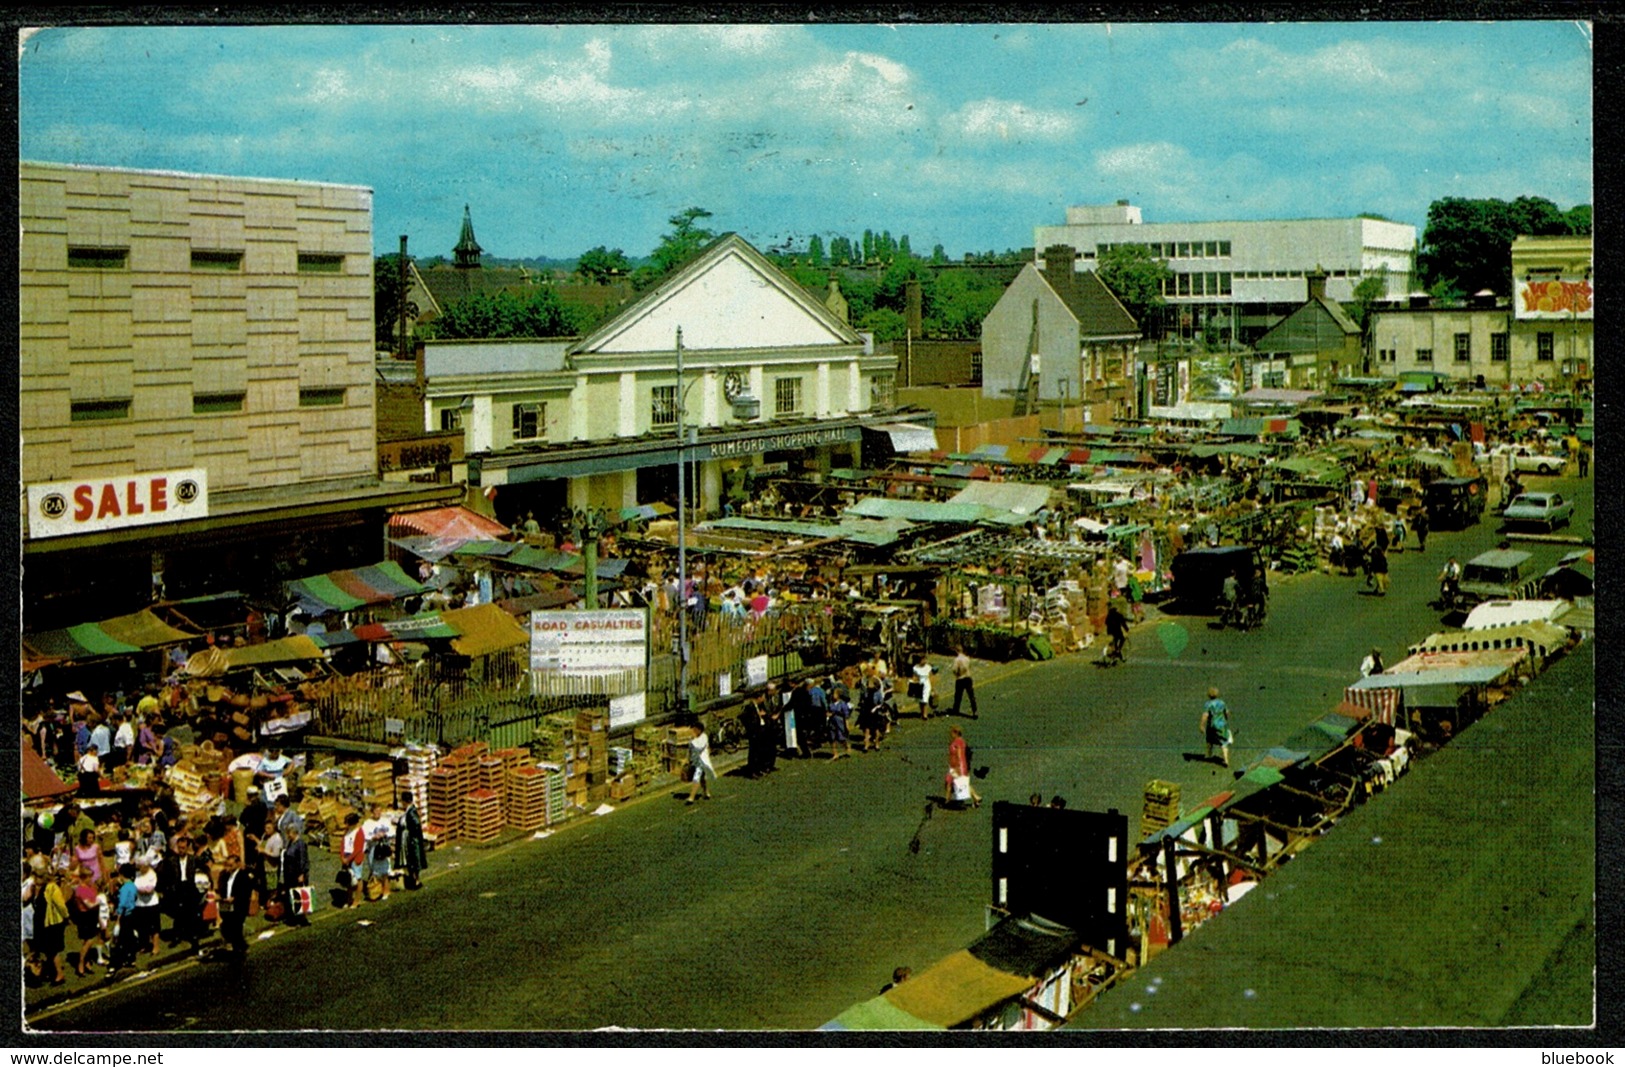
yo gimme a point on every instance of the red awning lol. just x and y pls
(39, 781)
(453, 522)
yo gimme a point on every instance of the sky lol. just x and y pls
(561, 138)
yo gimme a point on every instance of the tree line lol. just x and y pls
(1465, 248)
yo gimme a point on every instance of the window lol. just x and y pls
(1224, 248)
(217, 403)
(1274, 379)
(320, 263)
(1464, 348)
(321, 398)
(976, 367)
(663, 406)
(1545, 346)
(98, 258)
(786, 396)
(1212, 248)
(1498, 348)
(451, 418)
(1224, 284)
(1424, 355)
(98, 410)
(529, 420)
(218, 261)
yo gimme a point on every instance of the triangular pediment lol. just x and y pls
(730, 297)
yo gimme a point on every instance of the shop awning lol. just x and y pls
(1544, 637)
(118, 636)
(1029, 945)
(40, 782)
(955, 990)
(214, 662)
(877, 1014)
(484, 629)
(908, 436)
(453, 523)
(343, 590)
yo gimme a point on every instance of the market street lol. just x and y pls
(784, 901)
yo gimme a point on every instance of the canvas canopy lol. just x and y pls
(118, 636)
(909, 437)
(455, 522)
(39, 780)
(1543, 638)
(877, 1014)
(484, 629)
(955, 990)
(1026, 944)
(1014, 497)
(347, 589)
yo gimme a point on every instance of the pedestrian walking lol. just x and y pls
(1215, 723)
(235, 890)
(871, 712)
(964, 685)
(1419, 523)
(759, 739)
(1379, 568)
(840, 709)
(920, 688)
(1372, 664)
(956, 787)
(1583, 458)
(700, 770)
(294, 876)
(409, 843)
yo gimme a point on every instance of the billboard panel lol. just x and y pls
(91, 505)
(1553, 299)
(589, 642)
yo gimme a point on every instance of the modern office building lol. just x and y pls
(195, 385)
(1238, 279)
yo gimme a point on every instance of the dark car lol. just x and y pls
(1199, 574)
(1455, 502)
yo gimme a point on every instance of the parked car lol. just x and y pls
(1550, 510)
(1530, 458)
(1495, 575)
(1455, 502)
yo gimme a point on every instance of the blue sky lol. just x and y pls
(566, 137)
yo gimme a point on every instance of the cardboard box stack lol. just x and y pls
(555, 740)
(557, 801)
(592, 735)
(647, 757)
(420, 760)
(1161, 807)
(191, 795)
(674, 749)
(376, 781)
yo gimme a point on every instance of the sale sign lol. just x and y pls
(91, 505)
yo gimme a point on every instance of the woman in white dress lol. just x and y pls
(922, 685)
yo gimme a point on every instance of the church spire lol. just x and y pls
(468, 250)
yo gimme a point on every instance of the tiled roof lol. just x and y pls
(1092, 303)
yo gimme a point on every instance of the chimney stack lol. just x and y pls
(1317, 283)
(1059, 266)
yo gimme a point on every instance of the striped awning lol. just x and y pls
(1384, 704)
(347, 589)
(118, 636)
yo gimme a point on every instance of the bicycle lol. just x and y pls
(728, 733)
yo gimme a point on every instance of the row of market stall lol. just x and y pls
(1195, 859)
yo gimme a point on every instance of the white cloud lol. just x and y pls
(1006, 120)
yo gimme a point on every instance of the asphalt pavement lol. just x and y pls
(785, 900)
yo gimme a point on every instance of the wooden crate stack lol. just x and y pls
(1161, 807)
(511, 759)
(377, 781)
(447, 785)
(526, 801)
(646, 753)
(482, 816)
(674, 750)
(557, 800)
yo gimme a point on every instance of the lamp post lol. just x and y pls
(682, 537)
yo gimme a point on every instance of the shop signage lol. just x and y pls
(624, 711)
(91, 505)
(1553, 299)
(589, 642)
(756, 671)
(415, 453)
(774, 442)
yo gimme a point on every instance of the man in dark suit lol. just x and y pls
(235, 890)
(295, 873)
(177, 888)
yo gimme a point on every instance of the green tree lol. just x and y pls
(1579, 220)
(536, 312)
(676, 248)
(887, 324)
(902, 245)
(815, 250)
(939, 255)
(1370, 290)
(601, 265)
(963, 300)
(868, 245)
(1136, 277)
(1468, 243)
(388, 293)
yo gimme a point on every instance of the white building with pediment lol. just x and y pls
(770, 376)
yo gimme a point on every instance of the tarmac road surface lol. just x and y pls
(784, 901)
